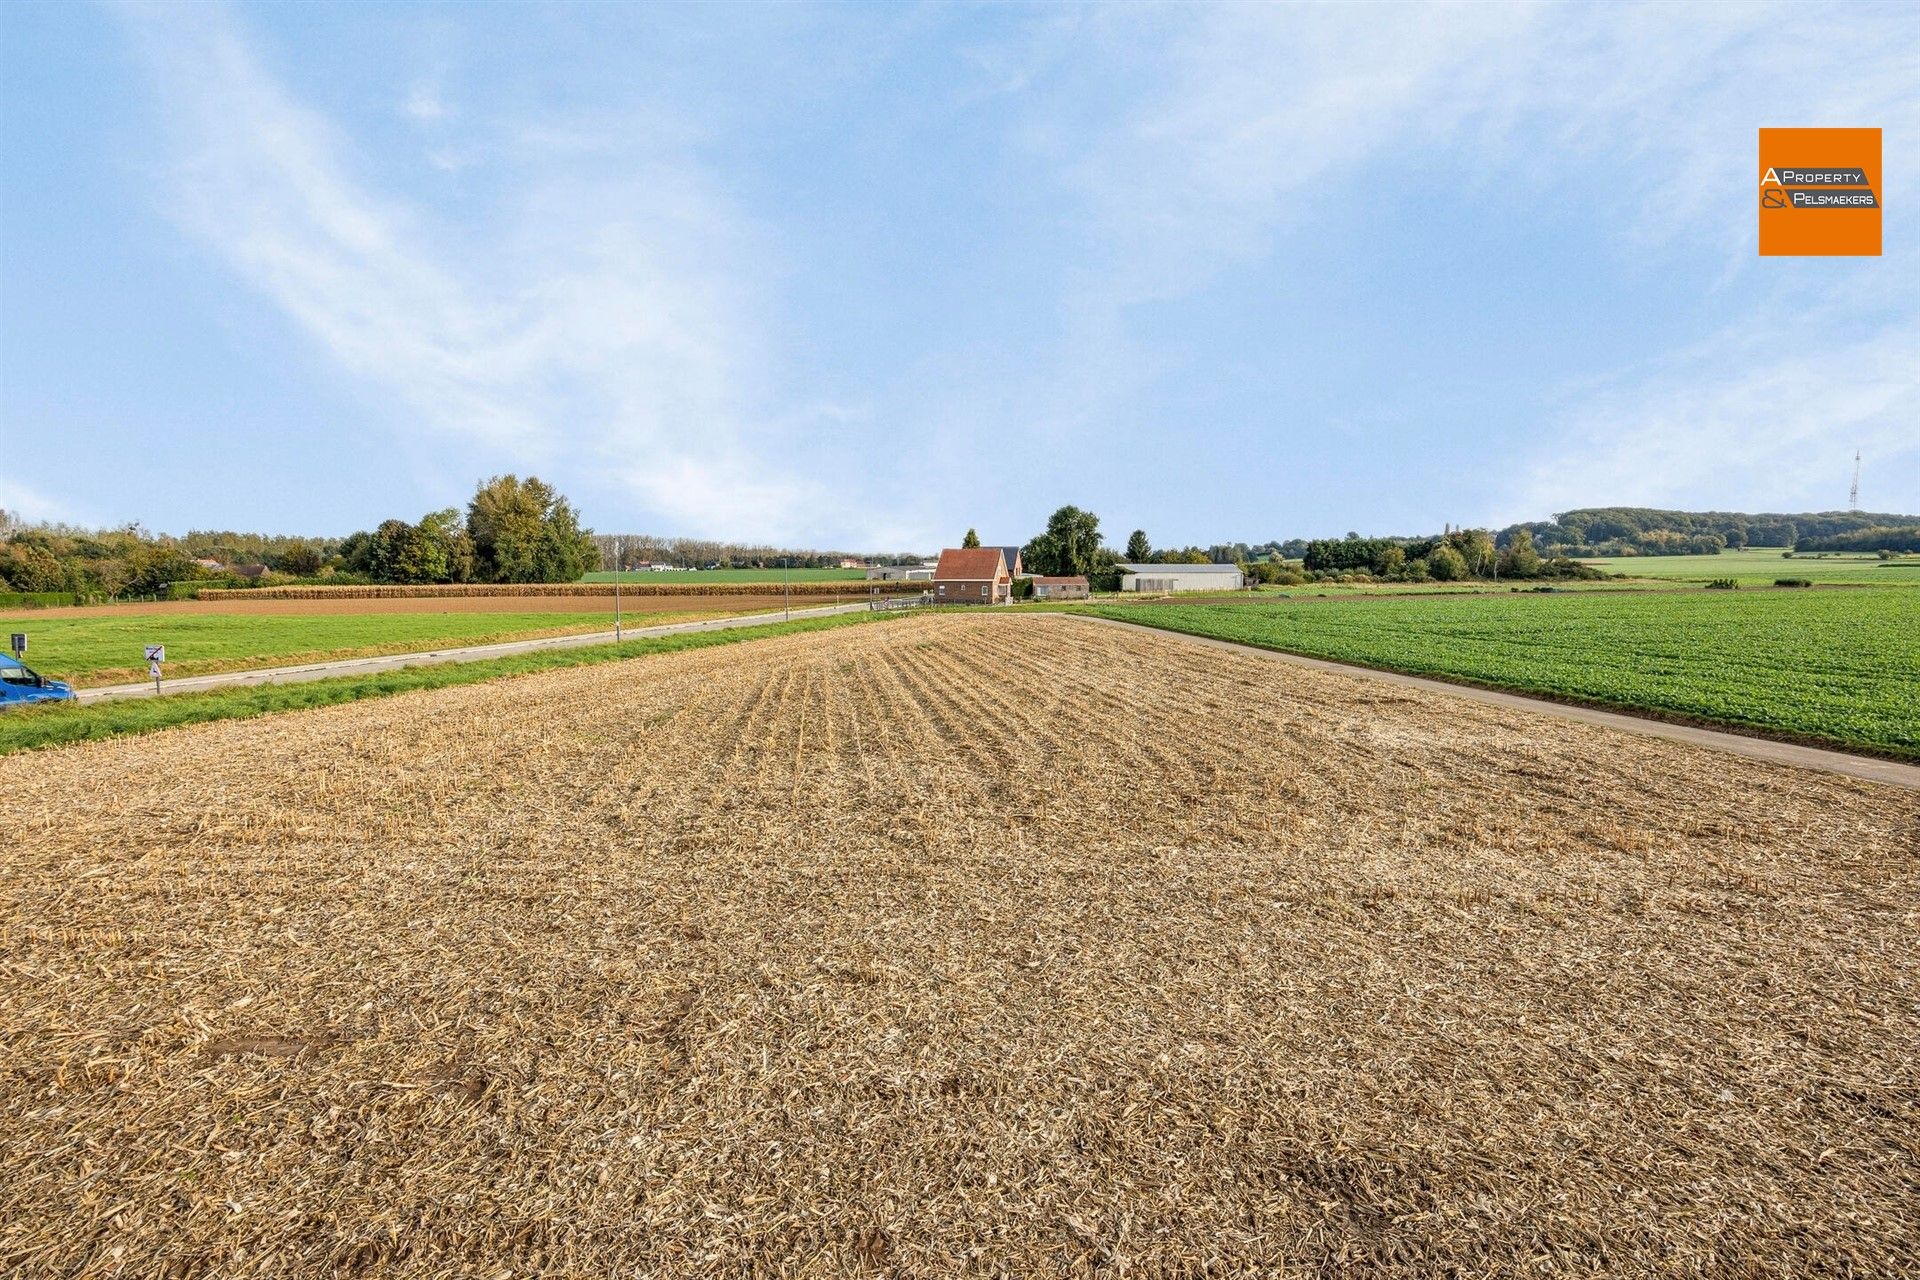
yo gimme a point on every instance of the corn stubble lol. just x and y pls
(961, 945)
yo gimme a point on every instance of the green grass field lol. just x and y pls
(1763, 564)
(730, 575)
(93, 650)
(1836, 666)
(50, 725)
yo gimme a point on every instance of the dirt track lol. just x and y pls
(963, 945)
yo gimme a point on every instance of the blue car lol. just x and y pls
(20, 683)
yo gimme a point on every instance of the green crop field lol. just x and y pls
(1764, 564)
(95, 649)
(1838, 666)
(730, 575)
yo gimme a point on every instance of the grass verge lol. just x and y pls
(35, 727)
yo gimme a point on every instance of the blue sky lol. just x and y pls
(864, 276)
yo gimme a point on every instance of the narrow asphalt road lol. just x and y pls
(1770, 750)
(434, 657)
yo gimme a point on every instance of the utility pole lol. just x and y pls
(1853, 494)
(616, 590)
(787, 561)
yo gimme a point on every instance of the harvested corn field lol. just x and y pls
(961, 945)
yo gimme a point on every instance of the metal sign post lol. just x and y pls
(616, 591)
(156, 654)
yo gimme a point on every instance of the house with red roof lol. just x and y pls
(972, 575)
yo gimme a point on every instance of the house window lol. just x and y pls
(983, 588)
(943, 588)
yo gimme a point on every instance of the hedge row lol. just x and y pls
(35, 599)
(464, 589)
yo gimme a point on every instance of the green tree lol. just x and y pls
(1476, 548)
(1446, 564)
(1520, 560)
(303, 559)
(971, 541)
(445, 539)
(394, 553)
(1139, 551)
(154, 565)
(32, 569)
(524, 531)
(1071, 544)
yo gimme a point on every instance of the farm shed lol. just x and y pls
(971, 575)
(1160, 579)
(1058, 588)
(899, 573)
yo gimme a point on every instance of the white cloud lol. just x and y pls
(1245, 112)
(1750, 420)
(424, 103)
(598, 330)
(32, 505)
(1235, 117)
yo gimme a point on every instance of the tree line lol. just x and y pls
(639, 550)
(512, 530)
(1071, 545)
(1886, 539)
(1652, 531)
(1458, 555)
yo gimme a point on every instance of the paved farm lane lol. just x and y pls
(962, 945)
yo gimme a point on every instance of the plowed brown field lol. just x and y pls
(988, 945)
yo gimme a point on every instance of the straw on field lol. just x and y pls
(965, 945)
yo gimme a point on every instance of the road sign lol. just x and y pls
(19, 643)
(156, 653)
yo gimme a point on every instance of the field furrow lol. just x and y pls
(953, 945)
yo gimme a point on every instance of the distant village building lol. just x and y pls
(1162, 579)
(205, 563)
(972, 575)
(899, 573)
(850, 562)
(1060, 588)
(247, 570)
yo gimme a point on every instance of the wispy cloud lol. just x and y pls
(30, 504)
(1760, 416)
(424, 103)
(1237, 120)
(599, 327)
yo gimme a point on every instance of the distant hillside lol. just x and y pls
(1616, 531)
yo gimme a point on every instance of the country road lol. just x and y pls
(434, 657)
